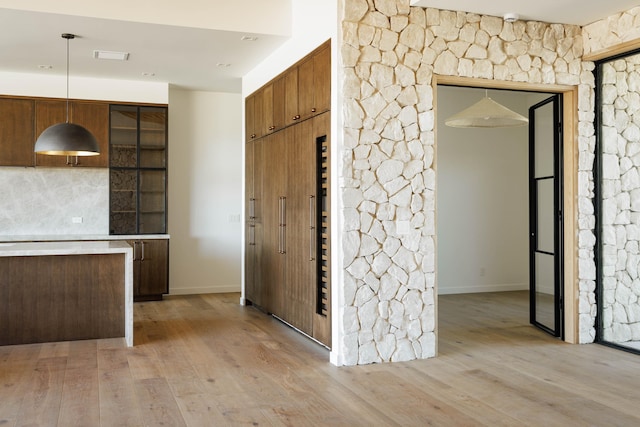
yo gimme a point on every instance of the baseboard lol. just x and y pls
(205, 290)
(473, 289)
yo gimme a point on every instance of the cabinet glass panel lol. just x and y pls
(124, 136)
(153, 126)
(124, 186)
(152, 201)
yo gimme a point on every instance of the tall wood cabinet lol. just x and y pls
(287, 181)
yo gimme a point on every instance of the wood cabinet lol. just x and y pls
(17, 132)
(253, 225)
(138, 170)
(287, 242)
(150, 269)
(94, 116)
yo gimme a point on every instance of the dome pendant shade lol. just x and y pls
(67, 139)
(486, 113)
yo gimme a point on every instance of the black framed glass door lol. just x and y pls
(545, 215)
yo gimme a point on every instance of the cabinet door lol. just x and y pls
(93, 116)
(253, 240)
(154, 268)
(16, 132)
(306, 106)
(301, 228)
(273, 219)
(249, 117)
(292, 115)
(49, 113)
(267, 110)
(123, 201)
(279, 103)
(322, 80)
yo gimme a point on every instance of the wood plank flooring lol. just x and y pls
(206, 361)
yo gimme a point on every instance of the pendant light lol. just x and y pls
(67, 139)
(486, 113)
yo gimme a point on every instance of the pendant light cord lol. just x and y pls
(68, 78)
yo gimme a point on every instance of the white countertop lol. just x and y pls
(80, 237)
(63, 248)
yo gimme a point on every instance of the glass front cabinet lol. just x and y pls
(138, 170)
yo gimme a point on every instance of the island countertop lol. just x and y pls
(79, 237)
(63, 248)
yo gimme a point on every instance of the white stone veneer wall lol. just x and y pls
(620, 183)
(613, 30)
(389, 55)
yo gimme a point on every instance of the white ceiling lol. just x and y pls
(187, 57)
(182, 56)
(578, 12)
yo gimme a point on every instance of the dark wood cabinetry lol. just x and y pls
(17, 132)
(94, 116)
(150, 269)
(287, 242)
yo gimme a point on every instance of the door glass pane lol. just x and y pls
(124, 136)
(544, 134)
(124, 185)
(153, 125)
(545, 290)
(152, 202)
(545, 209)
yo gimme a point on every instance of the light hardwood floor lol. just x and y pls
(206, 361)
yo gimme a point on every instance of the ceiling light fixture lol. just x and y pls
(248, 38)
(67, 139)
(486, 113)
(114, 56)
(510, 17)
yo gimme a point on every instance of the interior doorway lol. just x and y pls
(499, 207)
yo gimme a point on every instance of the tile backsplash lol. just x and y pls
(53, 201)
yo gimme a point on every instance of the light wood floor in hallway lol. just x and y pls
(206, 361)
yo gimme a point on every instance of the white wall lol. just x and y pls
(483, 198)
(205, 191)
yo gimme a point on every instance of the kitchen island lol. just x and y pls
(65, 290)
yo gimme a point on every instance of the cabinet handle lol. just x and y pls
(252, 207)
(279, 225)
(135, 245)
(312, 228)
(296, 117)
(272, 127)
(253, 135)
(284, 225)
(313, 110)
(142, 244)
(252, 235)
(72, 163)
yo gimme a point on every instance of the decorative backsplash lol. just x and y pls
(54, 201)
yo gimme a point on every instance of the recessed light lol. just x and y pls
(146, 74)
(510, 17)
(105, 54)
(249, 38)
(222, 65)
(45, 67)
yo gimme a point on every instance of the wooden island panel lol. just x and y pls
(61, 298)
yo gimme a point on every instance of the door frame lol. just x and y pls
(569, 180)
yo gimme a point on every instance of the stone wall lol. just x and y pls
(620, 183)
(611, 31)
(389, 54)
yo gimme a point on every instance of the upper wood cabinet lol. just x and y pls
(301, 92)
(16, 132)
(94, 116)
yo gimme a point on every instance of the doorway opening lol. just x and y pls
(499, 212)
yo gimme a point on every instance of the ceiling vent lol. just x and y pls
(114, 56)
